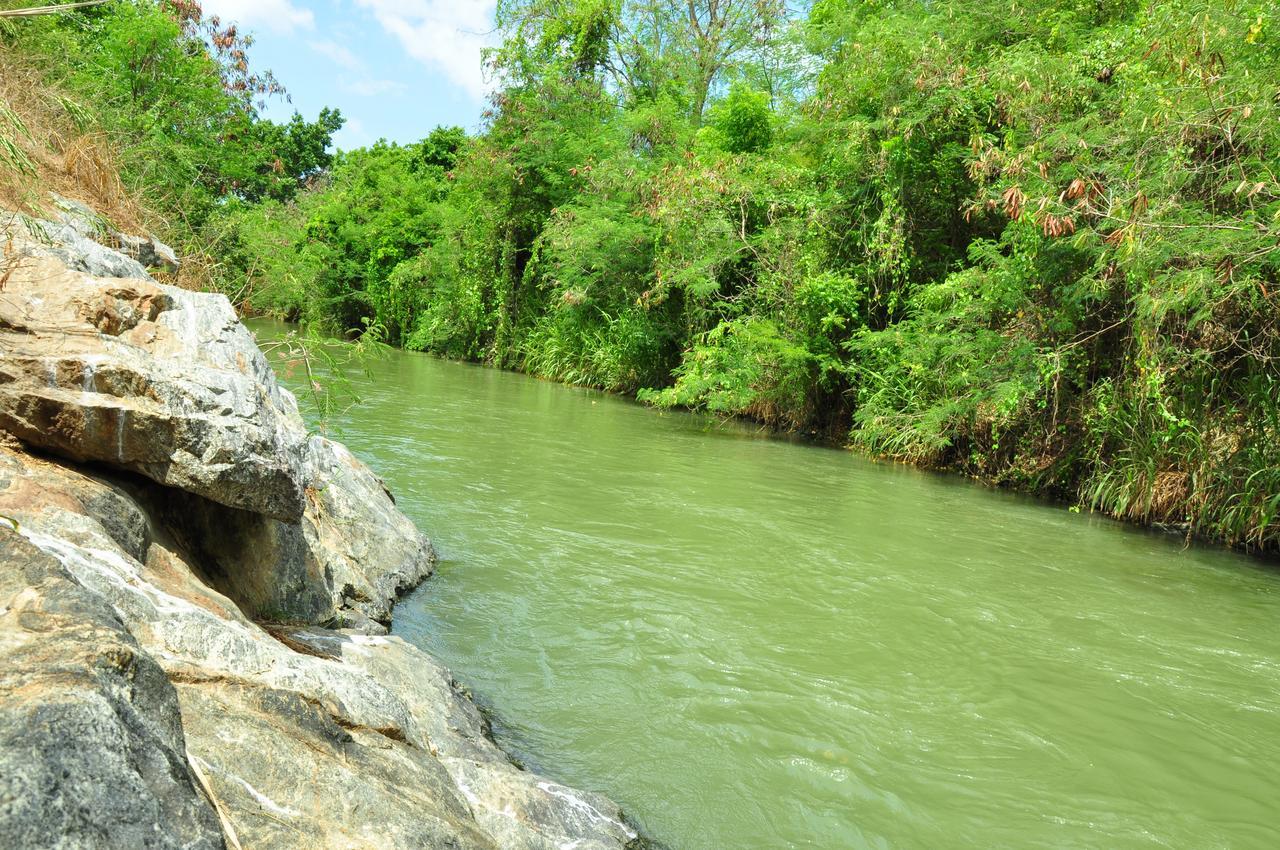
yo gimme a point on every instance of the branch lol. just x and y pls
(49, 10)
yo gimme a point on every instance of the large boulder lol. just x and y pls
(369, 562)
(148, 378)
(74, 237)
(183, 554)
(167, 383)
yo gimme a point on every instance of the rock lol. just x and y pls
(170, 672)
(265, 566)
(92, 753)
(148, 378)
(63, 242)
(520, 809)
(148, 251)
(167, 383)
(365, 788)
(72, 239)
(369, 562)
(79, 216)
(306, 736)
(345, 564)
(83, 241)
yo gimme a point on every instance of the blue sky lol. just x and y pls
(396, 68)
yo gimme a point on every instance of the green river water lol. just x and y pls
(754, 643)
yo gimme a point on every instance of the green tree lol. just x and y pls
(743, 120)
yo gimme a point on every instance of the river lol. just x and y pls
(755, 643)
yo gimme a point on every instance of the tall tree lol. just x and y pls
(714, 34)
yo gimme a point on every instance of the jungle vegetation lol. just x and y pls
(1036, 243)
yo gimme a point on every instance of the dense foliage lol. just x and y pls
(163, 98)
(1037, 243)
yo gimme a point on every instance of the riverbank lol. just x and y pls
(835, 438)
(990, 242)
(195, 594)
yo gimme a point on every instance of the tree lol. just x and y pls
(649, 48)
(743, 120)
(270, 160)
(713, 34)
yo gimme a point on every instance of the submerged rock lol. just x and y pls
(183, 555)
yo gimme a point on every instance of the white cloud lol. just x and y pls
(338, 54)
(352, 135)
(360, 81)
(277, 15)
(445, 35)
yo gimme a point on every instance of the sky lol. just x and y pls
(396, 68)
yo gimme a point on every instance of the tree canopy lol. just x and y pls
(1039, 244)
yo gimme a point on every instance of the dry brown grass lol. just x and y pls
(69, 156)
(72, 160)
(1169, 494)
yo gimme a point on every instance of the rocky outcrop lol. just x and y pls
(79, 237)
(147, 251)
(193, 603)
(148, 378)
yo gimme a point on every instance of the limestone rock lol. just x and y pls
(86, 224)
(370, 550)
(351, 556)
(306, 736)
(166, 677)
(74, 238)
(92, 753)
(148, 378)
(148, 251)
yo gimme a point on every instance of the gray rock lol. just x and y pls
(151, 379)
(365, 788)
(56, 239)
(83, 241)
(306, 736)
(266, 566)
(370, 551)
(81, 217)
(74, 238)
(91, 745)
(148, 251)
(192, 540)
(168, 384)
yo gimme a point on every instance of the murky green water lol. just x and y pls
(751, 643)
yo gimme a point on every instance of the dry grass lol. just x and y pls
(1169, 494)
(48, 143)
(46, 146)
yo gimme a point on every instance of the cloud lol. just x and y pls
(339, 55)
(363, 84)
(352, 135)
(277, 15)
(445, 35)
